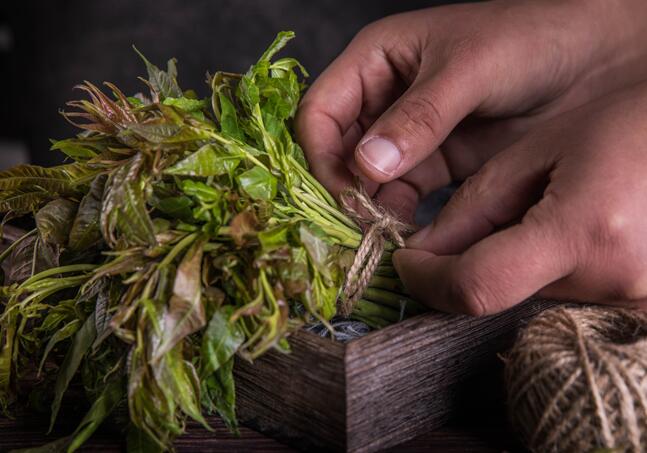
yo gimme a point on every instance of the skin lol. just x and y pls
(539, 106)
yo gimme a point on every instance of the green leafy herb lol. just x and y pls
(186, 234)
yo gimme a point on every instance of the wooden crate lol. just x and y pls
(376, 391)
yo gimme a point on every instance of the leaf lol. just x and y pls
(163, 84)
(220, 394)
(186, 104)
(273, 238)
(54, 220)
(61, 180)
(210, 160)
(228, 117)
(279, 42)
(243, 225)
(112, 394)
(221, 340)
(61, 334)
(31, 257)
(174, 207)
(258, 183)
(124, 210)
(316, 247)
(110, 397)
(86, 230)
(22, 201)
(79, 347)
(74, 148)
(201, 191)
(185, 313)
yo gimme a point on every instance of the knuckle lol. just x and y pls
(471, 295)
(610, 229)
(631, 284)
(421, 115)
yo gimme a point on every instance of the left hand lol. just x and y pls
(562, 212)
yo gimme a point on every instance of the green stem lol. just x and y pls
(58, 270)
(177, 248)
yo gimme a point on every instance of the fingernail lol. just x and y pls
(381, 154)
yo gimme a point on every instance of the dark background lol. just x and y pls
(47, 47)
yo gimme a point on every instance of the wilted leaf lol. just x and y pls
(61, 180)
(138, 441)
(258, 183)
(316, 247)
(185, 313)
(243, 225)
(86, 230)
(31, 257)
(54, 220)
(124, 209)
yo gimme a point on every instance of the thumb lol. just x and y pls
(416, 124)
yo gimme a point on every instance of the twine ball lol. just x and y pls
(577, 380)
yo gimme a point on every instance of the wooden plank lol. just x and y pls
(297, 397)
(406, 378)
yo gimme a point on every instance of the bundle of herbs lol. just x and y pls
(185, 231)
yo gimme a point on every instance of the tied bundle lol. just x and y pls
(577, 380)
(185, 231)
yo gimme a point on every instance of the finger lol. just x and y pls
(500, 192)
(359, 83)
(492, 275)
(403, 195)
(417, 123)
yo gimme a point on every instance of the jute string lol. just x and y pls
(379, 226)
(577, 380)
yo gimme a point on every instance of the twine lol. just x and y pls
(577, 380)
(379, 226)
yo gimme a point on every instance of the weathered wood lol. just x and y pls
(377, 391)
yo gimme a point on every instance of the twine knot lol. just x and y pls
(379, 226)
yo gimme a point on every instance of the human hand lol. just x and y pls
(468, 79)
(575, 192)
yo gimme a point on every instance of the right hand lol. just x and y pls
(423, 98)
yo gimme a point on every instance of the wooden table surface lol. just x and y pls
(481, 428)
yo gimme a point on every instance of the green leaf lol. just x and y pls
(209, 160)
(54, 220)
(258, 183)
(80, 346)
(163, 84)
(186, 104)
(221, 340)
(86, 230)
(74, 148)
(220, 394)
(279, 42)
(273, 238)
(201, 191)
(174, 207)
(112, 394)
(185, 313)
(61, 334)
(316, 247)
(228, 117)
